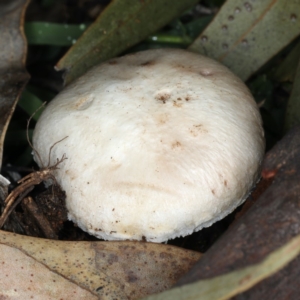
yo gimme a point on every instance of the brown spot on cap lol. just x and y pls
(163, 96)
(84, 102)
(176, 145)
(198, 129)
(176, 104)
(148, 63)
(163, 118)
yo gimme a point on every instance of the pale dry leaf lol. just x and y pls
(23, 277)
(110, 270)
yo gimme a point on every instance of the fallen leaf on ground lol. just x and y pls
(109, 270)
(23, 277)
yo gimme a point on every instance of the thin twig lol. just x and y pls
(8, 209)
(26, 185)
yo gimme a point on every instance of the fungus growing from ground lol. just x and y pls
(161, 143)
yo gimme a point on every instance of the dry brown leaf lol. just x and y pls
(109, 270)
(13, 75)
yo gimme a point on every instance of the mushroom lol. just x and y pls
(161, 143)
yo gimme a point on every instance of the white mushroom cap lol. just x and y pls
(160, 143)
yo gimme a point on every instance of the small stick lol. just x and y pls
(44, 225)
(18, 199)
(24, 188)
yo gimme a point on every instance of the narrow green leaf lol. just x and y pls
(121, 25)
(245, 35)
(169, 39)
(292, 115)
(44, 33)
(31, 103)
(226, 286)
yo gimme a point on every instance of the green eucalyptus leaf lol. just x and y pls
(31, 104)
(121, 25)
(45, 33)
(245, 35)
